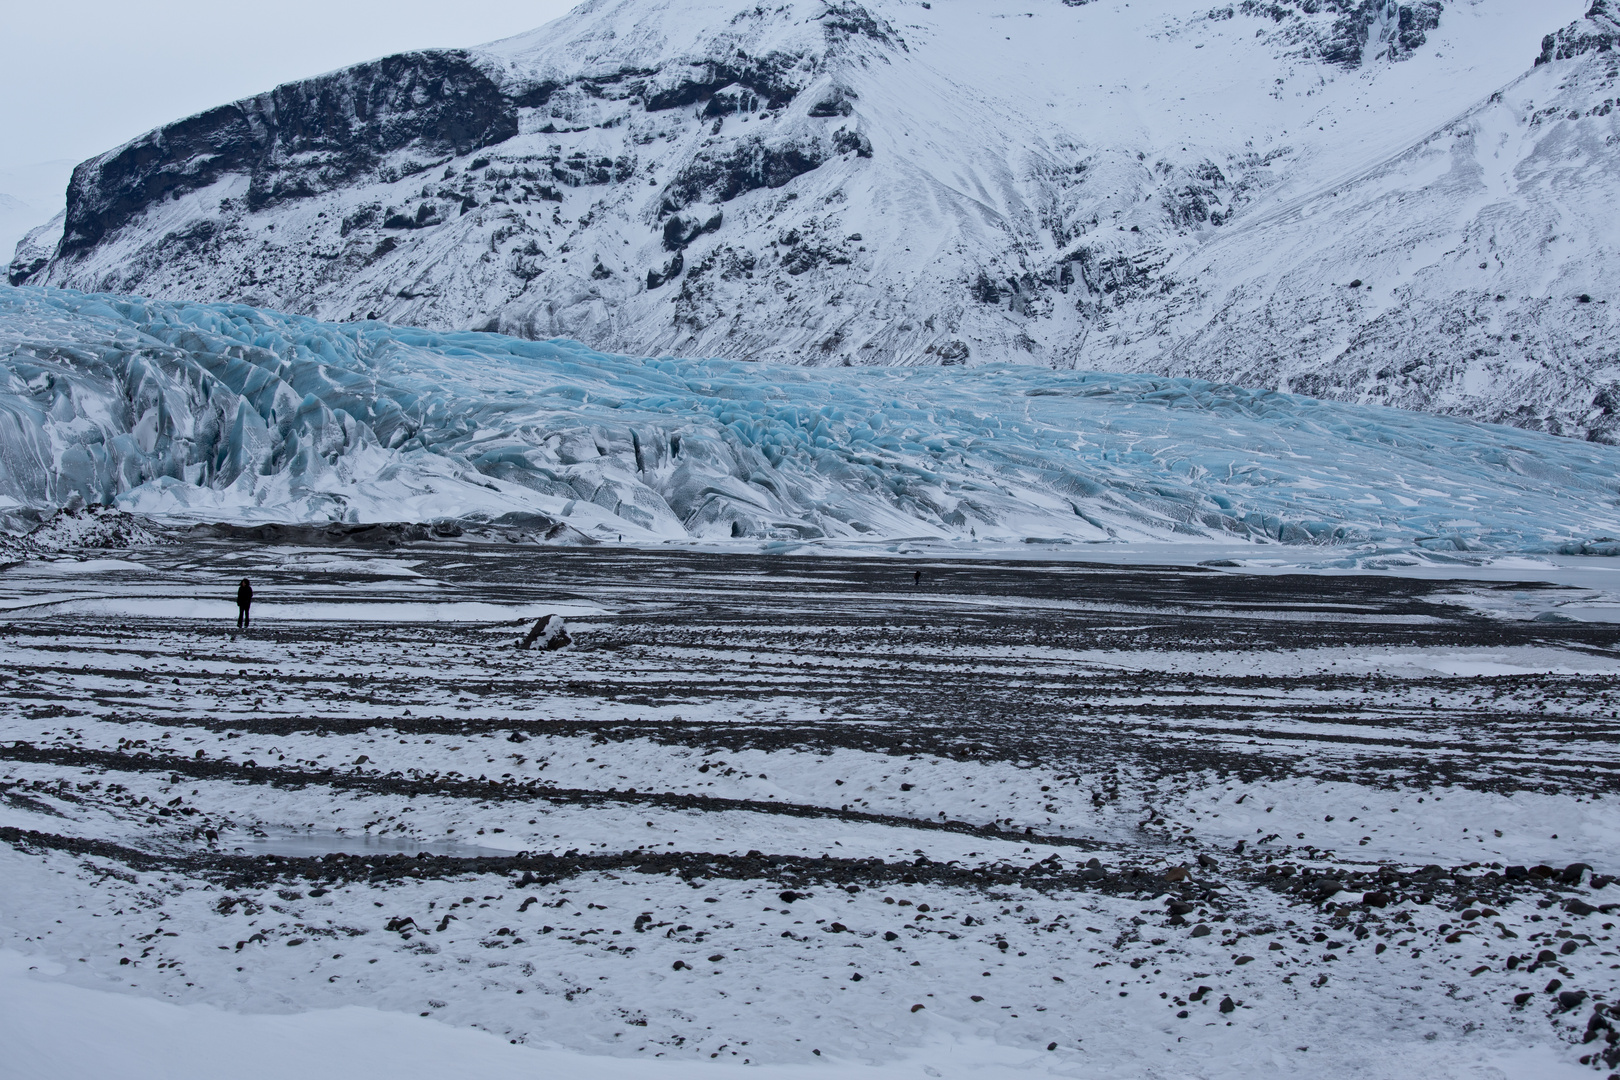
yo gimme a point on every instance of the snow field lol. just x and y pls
(1116, 714)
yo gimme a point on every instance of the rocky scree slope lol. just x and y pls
(1175, 188)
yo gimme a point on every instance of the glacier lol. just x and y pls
(193, 412)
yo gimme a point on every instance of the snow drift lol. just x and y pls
(229, 413)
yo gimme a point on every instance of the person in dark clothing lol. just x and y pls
(916, 577)
(244, 600)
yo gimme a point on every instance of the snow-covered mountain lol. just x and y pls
(1355, 199)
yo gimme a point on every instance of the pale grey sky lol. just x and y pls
(82, 76)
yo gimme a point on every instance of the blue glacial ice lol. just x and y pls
(220, 412)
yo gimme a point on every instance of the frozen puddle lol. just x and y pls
(305, 845)
(379, 612)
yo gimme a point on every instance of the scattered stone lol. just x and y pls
(549, 632)
(1570, 999)
(1201, 930)
(1573, 873)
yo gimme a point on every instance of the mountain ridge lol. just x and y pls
(731, 180)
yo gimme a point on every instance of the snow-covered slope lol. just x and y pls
(1168, 187)
(224, 412)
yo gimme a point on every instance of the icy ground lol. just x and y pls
(231, 413)
(807, 814)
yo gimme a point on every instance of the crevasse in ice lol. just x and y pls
(232, 413)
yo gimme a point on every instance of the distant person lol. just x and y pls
(916, 577)
(244, 600)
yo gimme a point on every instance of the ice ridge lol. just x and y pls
(225, 412)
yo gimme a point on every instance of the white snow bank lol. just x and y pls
(53, 1030)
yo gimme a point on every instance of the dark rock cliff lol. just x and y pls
(295, 140)
(1598, 32)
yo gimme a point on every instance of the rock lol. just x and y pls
(1201, 930)
(1553, 986)
(1227, 1005)
(1178, 907)
(1577, 906)
(1240, 961)
(1376, 899)
(890, 935)
(1599, 31)
(1516, 873)
(1546, 956)
(1573, 873)
(1521, 999)
(1570, 999)
(787, 896)
(1568, 947)
(1208, 863)
(549, 632)
(1176, 873)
